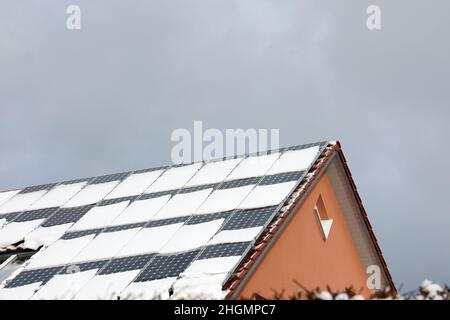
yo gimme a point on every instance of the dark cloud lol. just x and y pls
(106, 98)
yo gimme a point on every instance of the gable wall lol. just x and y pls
(301, 253)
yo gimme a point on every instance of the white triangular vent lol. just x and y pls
(326, 227)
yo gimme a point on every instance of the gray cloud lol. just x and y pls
(107, 97)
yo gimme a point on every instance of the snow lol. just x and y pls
(218, 265)
(432, 290)
(240, 235)
(99, 217)
(183, 204)
(253, 166)
(149, 240)
(174, 178)
(14, 232)
(2, 222)
(57, 196)
(59, 253)
(200, 288)
(105, 245)
(224, 200)
(107, 286)
(21, 201)
(135, 184)
(267, 195)
(141, 210)
(213, 172)
(64, 286)
(92, 193)
(19, 293)
(341, 296)
(296, 160)
(44, 236)
(324, 295)
(192, 236)
(6, 195)
(148, 290)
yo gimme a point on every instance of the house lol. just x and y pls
(224, 229)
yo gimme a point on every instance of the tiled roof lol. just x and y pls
(179, 230)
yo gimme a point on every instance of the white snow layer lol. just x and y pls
(211, 266)
(99, 217)
(148, 290)
(57, 196)
(105, 245)
(19, 293)
(107, 286)
(213, 172)
(141, 210)
(240, 235)
(183, 204)
(58, 253)
(92, 193)
(224, 199)
(192, 236)
(295, 160)
(267, 195)
(149, 240)
(2, 222)
(201, 288)
(254, 166)
(43, 236)
(14, 232)
(6, 195)
(174, 178)
(135, 184)
(64, 286)
(21, 201)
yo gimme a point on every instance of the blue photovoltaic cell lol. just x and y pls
(109, 178)
(35, 214)
(126, 264)
(124, 227)
(239, 183)
(67, 215)
(224, 250)
(166, 266)
(156, 194)
(198, 188)
(78, 234)
(9, 216)
(165, 222)
(31, 276)
(281, 177)
(38, 188)
(249, 218)
(85, 266)
(107, 202)
(196, 219)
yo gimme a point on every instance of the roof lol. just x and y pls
(186, 230)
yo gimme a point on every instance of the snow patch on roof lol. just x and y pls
(135, 184)
(21, 201)
(224, 200)
(174, 178)
(58, 196)
(92, 193)
(14, 232)
(99, 217)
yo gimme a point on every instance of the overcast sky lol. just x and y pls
(106, 98)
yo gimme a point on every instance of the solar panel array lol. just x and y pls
(177, 230)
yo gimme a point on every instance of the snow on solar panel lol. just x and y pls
(267, 195)
(2, 222)
(183, 204)
(134, 184)
(92, 193)
(106, 286)
(141, 210)
(148, 290)
(21, 201)
(44, 235)
(19, 293)
(14, 232)
(201, 287)
(59, 253)
(105, 245)
(64, 286)
(211, 266)
(224, 199)
(226, 236)
(213, 172)
(149, 240)
(57, 196)
(174, 178)
(297, 160)
(253, 166)
(6, 195)
(100, 216)
(190, 237)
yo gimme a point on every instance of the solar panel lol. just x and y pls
(31, 276)
(249, 218)
(165, 266)
(67, 215)
(35, 214)
(127, 263)
(224, 250)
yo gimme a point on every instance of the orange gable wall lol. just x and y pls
(301, 253)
